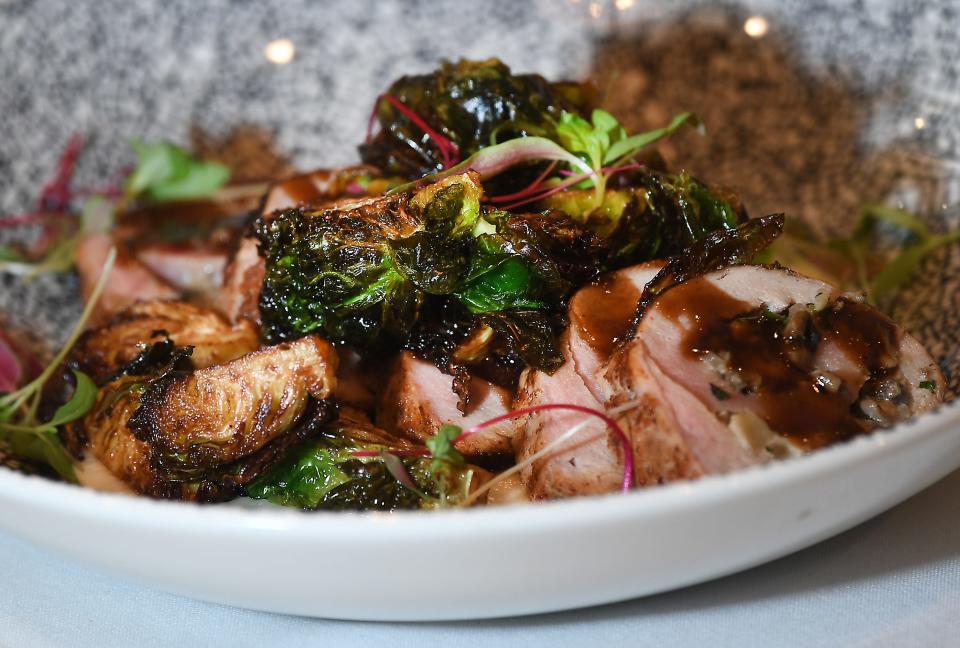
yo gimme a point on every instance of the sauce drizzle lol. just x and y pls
(775, 377)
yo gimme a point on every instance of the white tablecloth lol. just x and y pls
(894, 581)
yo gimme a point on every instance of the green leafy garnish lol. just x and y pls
(448, 468)
(929, 385)
(304, 480)
(603, 142)
(167, 172)
(20, 425)
(444, 455)
(864, 260)
(624, 148)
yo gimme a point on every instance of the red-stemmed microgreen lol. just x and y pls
(447, 148)
(55, 195)
(529, 190)
(592, 151)
(494, 160)
(550, 448)
(20, 424)
(446, 460)
(163, 172)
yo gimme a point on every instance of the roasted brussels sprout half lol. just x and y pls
(468, 103)
(326, 473)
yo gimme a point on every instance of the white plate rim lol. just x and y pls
(113, 508)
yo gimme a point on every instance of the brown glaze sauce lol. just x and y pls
(304, 189)
(780, 391)
(603, 312)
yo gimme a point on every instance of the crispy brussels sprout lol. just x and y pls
(718, 250)
(366, 273)
(325, 474)
(169, 430)
(358, 271)
(658, 217)
(469, 103)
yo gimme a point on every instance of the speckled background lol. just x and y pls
(814, 119)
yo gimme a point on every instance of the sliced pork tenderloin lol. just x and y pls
(419, 398)
(129, 281)
(590, 462)
(752, 363)
(239, 299)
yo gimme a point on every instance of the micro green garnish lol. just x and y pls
(605, 145)
(20, 426)
(167, 172)
(494, 160)
(929, 385)
(594, 151)
(399, 472)
(163, 172)
(858, 262)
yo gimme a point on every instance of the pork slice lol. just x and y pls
(755, 380)
(589, 463)
(600, 316)
(129, 281)
(357, 382)
(672, 434)
(187, 268)
(239, 299)
(585, 464)
(419, 398)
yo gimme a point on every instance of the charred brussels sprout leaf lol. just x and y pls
(531, 335)
(362, 274)
(530, 261)
(499, 283)
(358, 272)
(325, 474)
(304, 479)
(470, 103)
(659, 217)
(719, 250)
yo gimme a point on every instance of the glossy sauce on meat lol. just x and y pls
(610, 303)
(778, 386)
(303, 189)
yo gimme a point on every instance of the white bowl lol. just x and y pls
(479, 563)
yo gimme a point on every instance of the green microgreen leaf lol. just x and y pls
(167, 172)
(444, 455)
(19, 427)
(929, 385)
(899, 270)
(627, 147)
(84, 395)
(893, 216)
